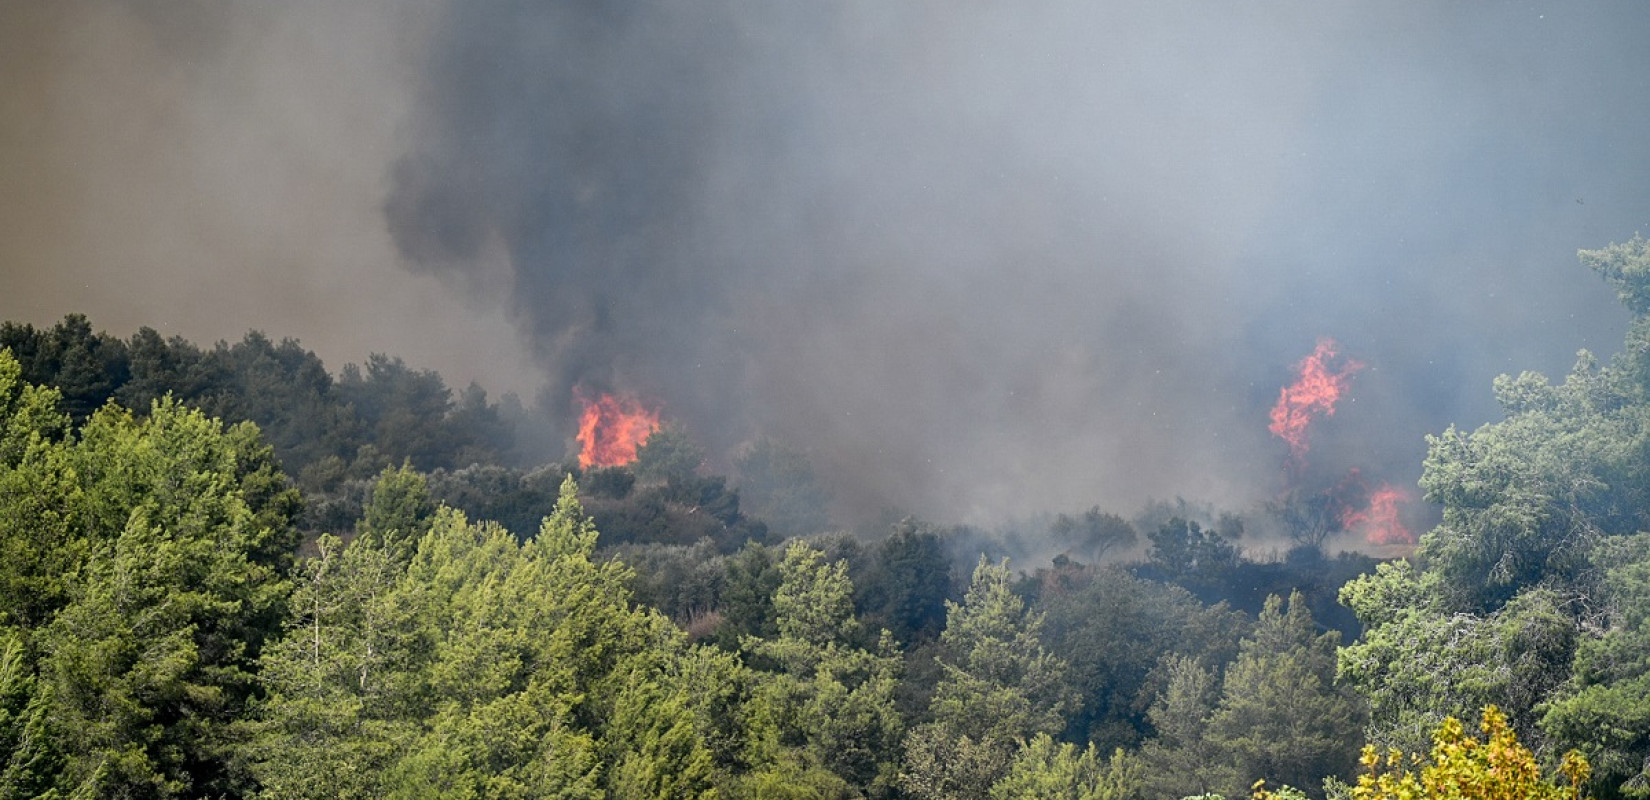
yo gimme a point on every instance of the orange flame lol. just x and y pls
(1379, 522)
(1313, 394)
(612, 428)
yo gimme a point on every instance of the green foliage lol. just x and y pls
(1626, 267)
(1186, 553)
(906, 588)
(484, 668)
(29, 415)
(1604, 708)
(1000, 683)
(286, 391)
(1280, 715)
(329, 726)
(1046, 770)
(1276, 715)
(1093, 534)
(815, 600)
(683, 510)
(942, 764)
(324, 431)
(668, 454)
(1114, 630)
(685, 583)
(397, 514)
(1525, 499)
(1417, 663)
(156, 554)
(402, 409)
(31, 759)
(158, 637)
(154, 655)
(41, 536)
(85, 367)
(831, 704)
(517, 499)
(790, 780)
(1513, 599)
(999, 687)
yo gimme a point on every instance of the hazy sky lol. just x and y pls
(977, 258)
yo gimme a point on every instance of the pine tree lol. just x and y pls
(999, 689)
(831, 706)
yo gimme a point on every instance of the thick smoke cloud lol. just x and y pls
(982, 257)
(976, 258)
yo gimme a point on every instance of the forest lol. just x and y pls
(227, 572)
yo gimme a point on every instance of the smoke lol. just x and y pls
(981, 258)
(978, 259)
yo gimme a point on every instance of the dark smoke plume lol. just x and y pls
(981, 257)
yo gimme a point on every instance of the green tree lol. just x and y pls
(1416, 664)
(1274, 713)
(1280, 715)
(41, 535)
(1186, 553)
(286, 391)
(87, 368)
(1046, 770)
(999, 688)
(669, 453)
(907, 586)
(1000, 683)
(1114, 629)
(29, 759)
(167, 366)
(397, 513)
(484, 667)
(831, 704)
(154, 655)
(1093, 533)
(1604, 708)
(331, 722)
(1505, 598)
(752, 579)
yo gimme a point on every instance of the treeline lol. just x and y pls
(334, 434)
(322, 428)
(490, 630)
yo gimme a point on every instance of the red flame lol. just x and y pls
(1312, 395)
(1379, 521)
(612, 428)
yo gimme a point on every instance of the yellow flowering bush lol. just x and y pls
(1461, 767)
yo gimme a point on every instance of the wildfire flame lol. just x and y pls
(612, 428)
(1322, 378)
(1379, 521)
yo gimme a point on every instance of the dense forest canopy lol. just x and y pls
(228, 573)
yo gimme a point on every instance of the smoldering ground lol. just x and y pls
(979, 259)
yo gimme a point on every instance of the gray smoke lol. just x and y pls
(976, 258)
(984, 257)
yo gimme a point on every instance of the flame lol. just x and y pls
(1312, 395)
(1379, 521)
(612, 428)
